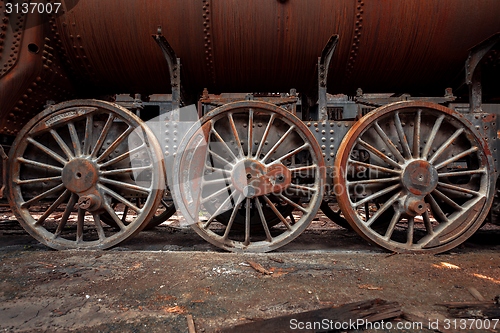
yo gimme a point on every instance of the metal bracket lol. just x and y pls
(323, 65)
(377, 100)
(473, 70)
(174, 68)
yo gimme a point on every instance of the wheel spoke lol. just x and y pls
(74, 139)
(219, 210)
(236, 135)
(456, 157)
(40, 165)
(447, 200)
(264, 136)
(98, 226)
(392, 225)
(127, 170)
(115, 144)
(458, 189)
(239, 202)
(53, 207)
(277, 144)
(303, 189)
(427, 223)
(224, 180)
(115, 217)
(102, 136)
(416, 134)
(292, 153)
(214, 170)
(122, 156)
(66, 214)
(411, 229)
(381, 210)
(380, 154)
(64, 147)
(373, 181)
(221, 140)
(37, 180)
(276, 211)
(89, 123)
(47, 151)
(402, 135)
(124, 215)
(269, 238)
(392, 147)
(374, 167)
(79, 225)
(462, 173)
(376, 195)
(220, 158)
(227, 189)
(120, 198)
(128, 186)
(432, 136)
(250, 133)
(247, 223)
(291, 203)
(446, 145)
(303, 168)
(437, 211)
(45, 194)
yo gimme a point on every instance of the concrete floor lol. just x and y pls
(151, 283)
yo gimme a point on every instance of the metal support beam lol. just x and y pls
(473, 71)
(323, 65)
(174, 67)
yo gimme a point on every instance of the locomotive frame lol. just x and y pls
(410, 174)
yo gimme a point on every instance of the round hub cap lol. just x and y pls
(253, 179)
(79, 175)
(420, 178)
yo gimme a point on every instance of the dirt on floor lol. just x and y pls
(153, 282)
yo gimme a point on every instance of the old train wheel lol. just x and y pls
(250, 178)
(415, 177)
(81, 162)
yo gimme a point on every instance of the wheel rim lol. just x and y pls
(414, 177)
(258, 185)
(78, 163)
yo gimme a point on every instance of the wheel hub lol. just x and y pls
(79, 175)
(253, 178)
(420, 178)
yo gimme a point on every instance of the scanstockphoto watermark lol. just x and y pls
(329, 325)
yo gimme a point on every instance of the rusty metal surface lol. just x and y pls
(233, 46)
(419, 167)
(273, 46)
(31, 70)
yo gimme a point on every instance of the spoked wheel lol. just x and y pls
(250, 178)
(79, 163)
(416, 176)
